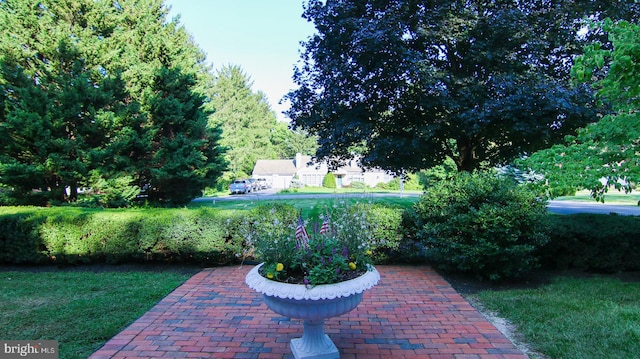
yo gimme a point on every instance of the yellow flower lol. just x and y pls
(270, 275)
(352, 266)
(369, 252)
(279, 267)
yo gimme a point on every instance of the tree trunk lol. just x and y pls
(467, 159)
(73, 192)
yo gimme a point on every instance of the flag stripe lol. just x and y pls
(301, 234)
(325, 225)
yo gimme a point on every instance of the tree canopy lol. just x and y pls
(410, 83)
(250, 128)
(106, 95)
(605, 153)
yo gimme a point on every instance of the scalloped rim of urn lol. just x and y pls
(301, 292)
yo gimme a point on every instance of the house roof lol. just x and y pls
(302, 164)
(271, 167)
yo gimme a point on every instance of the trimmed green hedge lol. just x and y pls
(208, 236)
(593, 242)
(75, 235)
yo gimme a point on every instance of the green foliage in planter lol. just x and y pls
(593, 242)
(267, 216)
(329, 181)
(385, 222)
(479, 223)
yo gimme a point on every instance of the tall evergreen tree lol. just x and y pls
(250, 128)
(81, 83)
(289, 142)
(180, 165)
(58, 105)
(161, 64)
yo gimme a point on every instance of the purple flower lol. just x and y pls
(306, 281)
(345, 252)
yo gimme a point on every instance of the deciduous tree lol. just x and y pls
(605, 153)
(414, 82)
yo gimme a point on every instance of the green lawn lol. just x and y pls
(79, 309)
(574, 317)
(308, 206)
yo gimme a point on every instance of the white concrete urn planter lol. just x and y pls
(313, 305)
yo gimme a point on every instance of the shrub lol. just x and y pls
(111, 193)
(358, 185)
(76, 235)
(386, 229)
(593, 242)
(411, 183)
(20, 242)
(392, 185)
(479, 223)
(329, 181)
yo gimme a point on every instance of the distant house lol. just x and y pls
(280, 173)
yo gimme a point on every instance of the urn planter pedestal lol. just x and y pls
(313, 305)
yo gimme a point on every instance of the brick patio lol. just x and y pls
(411, 313)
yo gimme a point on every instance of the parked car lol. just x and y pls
(254, 184)
(240, 186)
(263, 183)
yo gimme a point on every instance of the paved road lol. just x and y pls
(560, 207)
(569, 207)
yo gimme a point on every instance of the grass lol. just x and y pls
(310, 207)
(574, 317)
(79, 309)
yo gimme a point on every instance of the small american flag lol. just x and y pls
(301, 234)
(325, 225)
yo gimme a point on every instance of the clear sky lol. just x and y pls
(261, 36)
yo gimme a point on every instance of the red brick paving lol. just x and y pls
(411, 313)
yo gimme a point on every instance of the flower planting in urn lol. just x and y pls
(312, 274)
